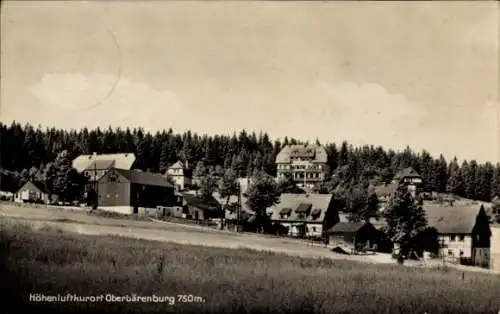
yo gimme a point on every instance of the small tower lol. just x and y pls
(481, 240)
(410, 178)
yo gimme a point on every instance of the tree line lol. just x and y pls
(26, 151)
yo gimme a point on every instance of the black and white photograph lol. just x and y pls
(250, 157)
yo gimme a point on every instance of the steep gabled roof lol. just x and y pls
(177, 165)
(144, 178)
(347, 227)
(234, 199)
(451, 219)
(196, 201)
(103, 164)
(121, 161)
(38, 185)
(407, 172)
(316, 152)
(314, 203)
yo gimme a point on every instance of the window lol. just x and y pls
(461, 238)
(461, 252)
(452, 238)
(313, 229)
(450, 252)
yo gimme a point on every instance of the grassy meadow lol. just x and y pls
(48, 261)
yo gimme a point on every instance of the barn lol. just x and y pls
(134, 192)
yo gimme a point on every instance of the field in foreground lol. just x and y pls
(50, 262)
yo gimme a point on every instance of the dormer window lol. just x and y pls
(285, 212)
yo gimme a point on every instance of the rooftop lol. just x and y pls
(316, 153)
(452, 219)
(347, 227)
(201, 203)
(121, 161)
(301, 207)
(407, 172)
(144, 178)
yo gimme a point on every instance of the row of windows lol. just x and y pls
(308, 176)
(300, 167)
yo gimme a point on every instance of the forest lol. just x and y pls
(28, 151)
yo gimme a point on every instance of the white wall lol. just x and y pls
(145, 211)
(311, 229)
(495, 248)
(127, 210)
(455, 246)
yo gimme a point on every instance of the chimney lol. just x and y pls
(187, 164)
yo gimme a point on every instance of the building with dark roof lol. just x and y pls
(359, 236)
(411, 178)
(407, 176)
(132, 192)
(306, 164)
(460, 233)
(302, 215)
(34, 192)
(198, 208)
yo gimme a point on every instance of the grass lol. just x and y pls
(49, 261)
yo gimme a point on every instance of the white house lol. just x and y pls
(459, 235)
(307, 164)
(410, 178)
(301, 214)
(181, 174)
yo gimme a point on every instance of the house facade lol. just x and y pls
(134, 192)
(409, 177)
(197, 208)
(301, 215)
(359, 236)
(181, 174)
(306, 164)
(34, 192)
(461, 236)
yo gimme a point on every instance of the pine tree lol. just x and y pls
(470, 176)
(228, 186)
(455, 184)
(262, 193)
(405, 220)
(495, 181)
(65, 181)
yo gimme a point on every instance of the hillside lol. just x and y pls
(26, 151)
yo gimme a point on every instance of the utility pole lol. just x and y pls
(96, 187)
(238, 210)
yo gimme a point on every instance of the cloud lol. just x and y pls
(369, 114)
(377, 114)
(75, 99)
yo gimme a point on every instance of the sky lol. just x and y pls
(423, 74)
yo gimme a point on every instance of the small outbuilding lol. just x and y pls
(359, 235)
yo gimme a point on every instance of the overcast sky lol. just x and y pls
(394, 73)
